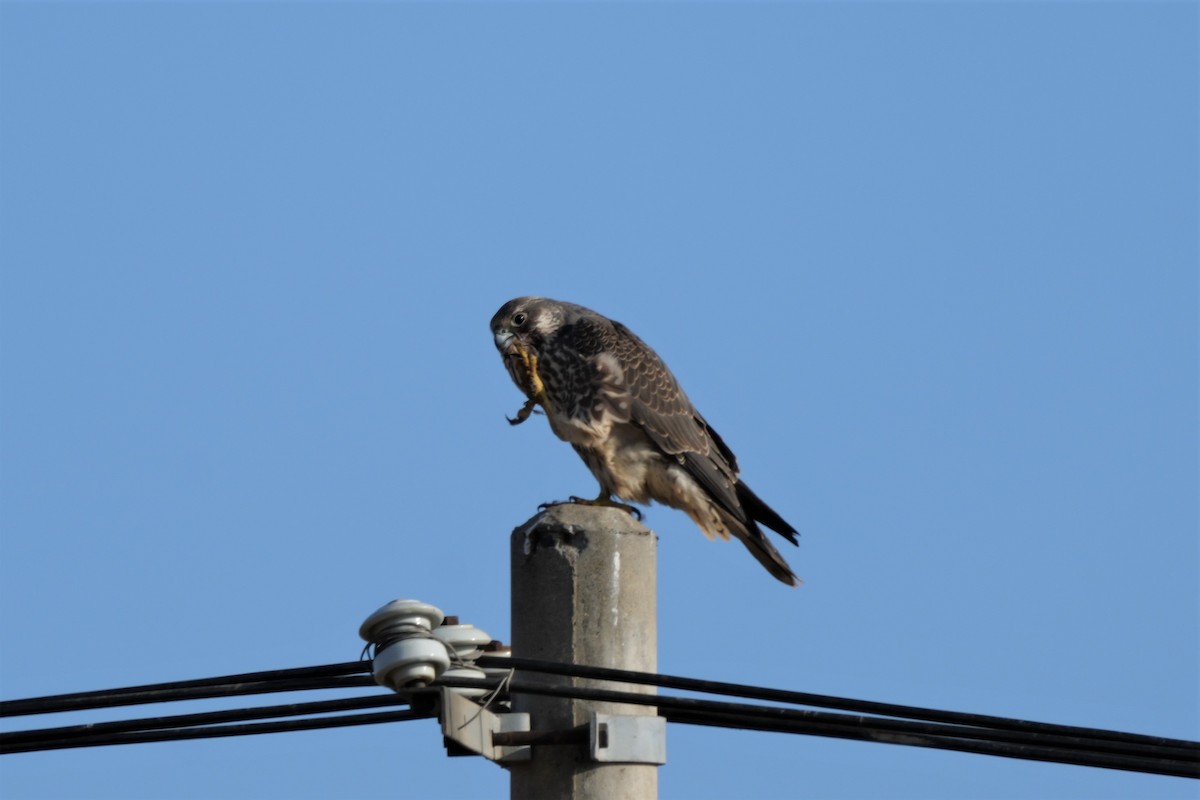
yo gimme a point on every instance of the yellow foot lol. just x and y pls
(605, 500)
(524, 413)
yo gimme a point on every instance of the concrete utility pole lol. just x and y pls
(584, 591)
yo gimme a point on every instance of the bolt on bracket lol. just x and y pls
(470, 726)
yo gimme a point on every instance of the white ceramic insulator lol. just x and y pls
(411, 657)
(467, 672)
(410, 662)
(400, 612)
(498, 672)
(467, 640)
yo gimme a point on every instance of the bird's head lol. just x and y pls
(524, 323)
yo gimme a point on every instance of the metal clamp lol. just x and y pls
(628, 739)
(471, 727)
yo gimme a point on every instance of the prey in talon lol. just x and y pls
(522, 366)
(608, 395)
(524, 413)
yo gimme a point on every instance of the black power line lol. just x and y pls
(824, 701)
(1178, 761)
(347, 674)
(878, 722)
(209, 724)
(208, 732)
(11, 742)
(1160, 766)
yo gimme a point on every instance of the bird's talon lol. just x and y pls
(636, 513)
(606, 501)
(524, 413)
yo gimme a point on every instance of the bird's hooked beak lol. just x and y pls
(510, 344)
(503, 339)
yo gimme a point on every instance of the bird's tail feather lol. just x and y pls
(761, 548)
(758, 511)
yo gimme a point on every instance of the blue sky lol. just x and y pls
(929, 268)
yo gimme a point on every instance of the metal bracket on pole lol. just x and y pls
(627, 739)
(470, 726)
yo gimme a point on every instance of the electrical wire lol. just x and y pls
(1178, 761)
(140, 737)
(8, 741)
(822, 701)
(1159, 766)
(875, 721)
(203, 725)
(328, 676)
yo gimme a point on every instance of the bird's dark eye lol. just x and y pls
(519, 318)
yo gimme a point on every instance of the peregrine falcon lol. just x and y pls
(611, 397)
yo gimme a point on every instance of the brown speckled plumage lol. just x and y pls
(611, 397)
